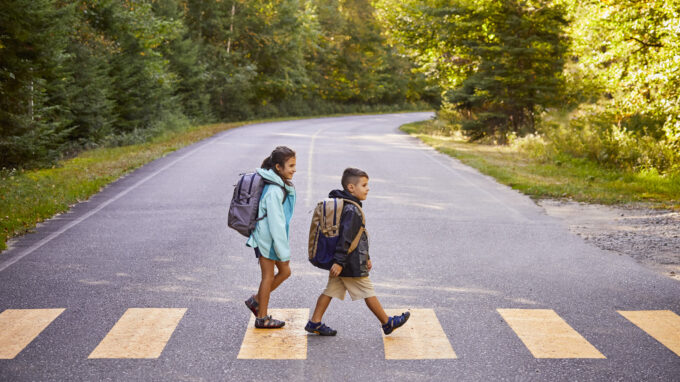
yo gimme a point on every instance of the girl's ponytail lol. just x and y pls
(267, 163)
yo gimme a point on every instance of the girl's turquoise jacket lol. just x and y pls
(271, 233)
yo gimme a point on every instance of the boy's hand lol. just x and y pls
(336, 269)
(370, 265)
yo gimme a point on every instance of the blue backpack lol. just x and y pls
(325, 229)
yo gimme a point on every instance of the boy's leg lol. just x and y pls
(321, 305)
(377, 309)
(314, 325)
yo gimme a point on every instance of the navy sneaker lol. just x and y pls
(320, 329)
(395, 322)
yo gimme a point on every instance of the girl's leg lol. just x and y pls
(267, 268)
(282, 274)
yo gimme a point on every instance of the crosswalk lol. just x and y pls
(421, 338)
(547, 335)
(142, 333)
(19, 327)
(289, 342)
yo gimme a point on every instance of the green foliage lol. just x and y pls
(502, 66)
(621, 106)
(355, 63)
(184, 60)
(143, 85)
(628, 50)
(499, 62)
(590, 134)
(82, 74)
(33, 121)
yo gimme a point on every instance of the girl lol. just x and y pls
(270, 237)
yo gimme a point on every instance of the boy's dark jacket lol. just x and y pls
(354, 264)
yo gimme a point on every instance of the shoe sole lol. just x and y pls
(321, 334)
(253, 309)
(269, 327)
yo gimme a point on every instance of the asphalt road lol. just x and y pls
(443, 237)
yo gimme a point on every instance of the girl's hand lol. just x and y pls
(370, 265)
(336, 269)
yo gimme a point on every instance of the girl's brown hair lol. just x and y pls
(279, 156)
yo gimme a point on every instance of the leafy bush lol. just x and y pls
(172, 122)
(597, 135)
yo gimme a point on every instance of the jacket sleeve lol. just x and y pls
(350, 223)
(276, 221)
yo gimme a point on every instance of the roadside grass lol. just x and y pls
(563, 177)
(29, 197)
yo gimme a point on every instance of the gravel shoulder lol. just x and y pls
(651, 237)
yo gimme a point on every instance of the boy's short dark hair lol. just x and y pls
(352, 175)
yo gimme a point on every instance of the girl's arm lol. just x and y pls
(276, 220)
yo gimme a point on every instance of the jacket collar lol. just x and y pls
(344, 194)
(272, 176)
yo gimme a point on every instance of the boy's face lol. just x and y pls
(360, 189)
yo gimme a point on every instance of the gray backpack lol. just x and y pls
(245, 202)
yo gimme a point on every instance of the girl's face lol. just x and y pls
(288, 168)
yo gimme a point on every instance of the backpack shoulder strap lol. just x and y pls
(355, 242)
(285, 192)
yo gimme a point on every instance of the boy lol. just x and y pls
(349, 272)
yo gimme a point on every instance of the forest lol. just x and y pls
(592, 79)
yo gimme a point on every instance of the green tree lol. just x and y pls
(143, 84)
(91, 102)
(273, 35)
(354, 62)
(215, 28)
(499, 62)
(33, 81)
(184, 57)
(628, 50)
(79, 74)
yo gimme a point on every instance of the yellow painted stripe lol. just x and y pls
(663, 325)
(547, 335)
(18, 327)
(422, 337)
(289, 342)
(140, 333)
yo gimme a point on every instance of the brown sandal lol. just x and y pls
(267, 322)
(252, 305)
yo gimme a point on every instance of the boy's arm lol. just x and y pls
(350, 223)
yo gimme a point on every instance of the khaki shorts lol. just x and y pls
(358, 287)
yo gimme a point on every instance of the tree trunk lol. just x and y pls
(231, 26)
